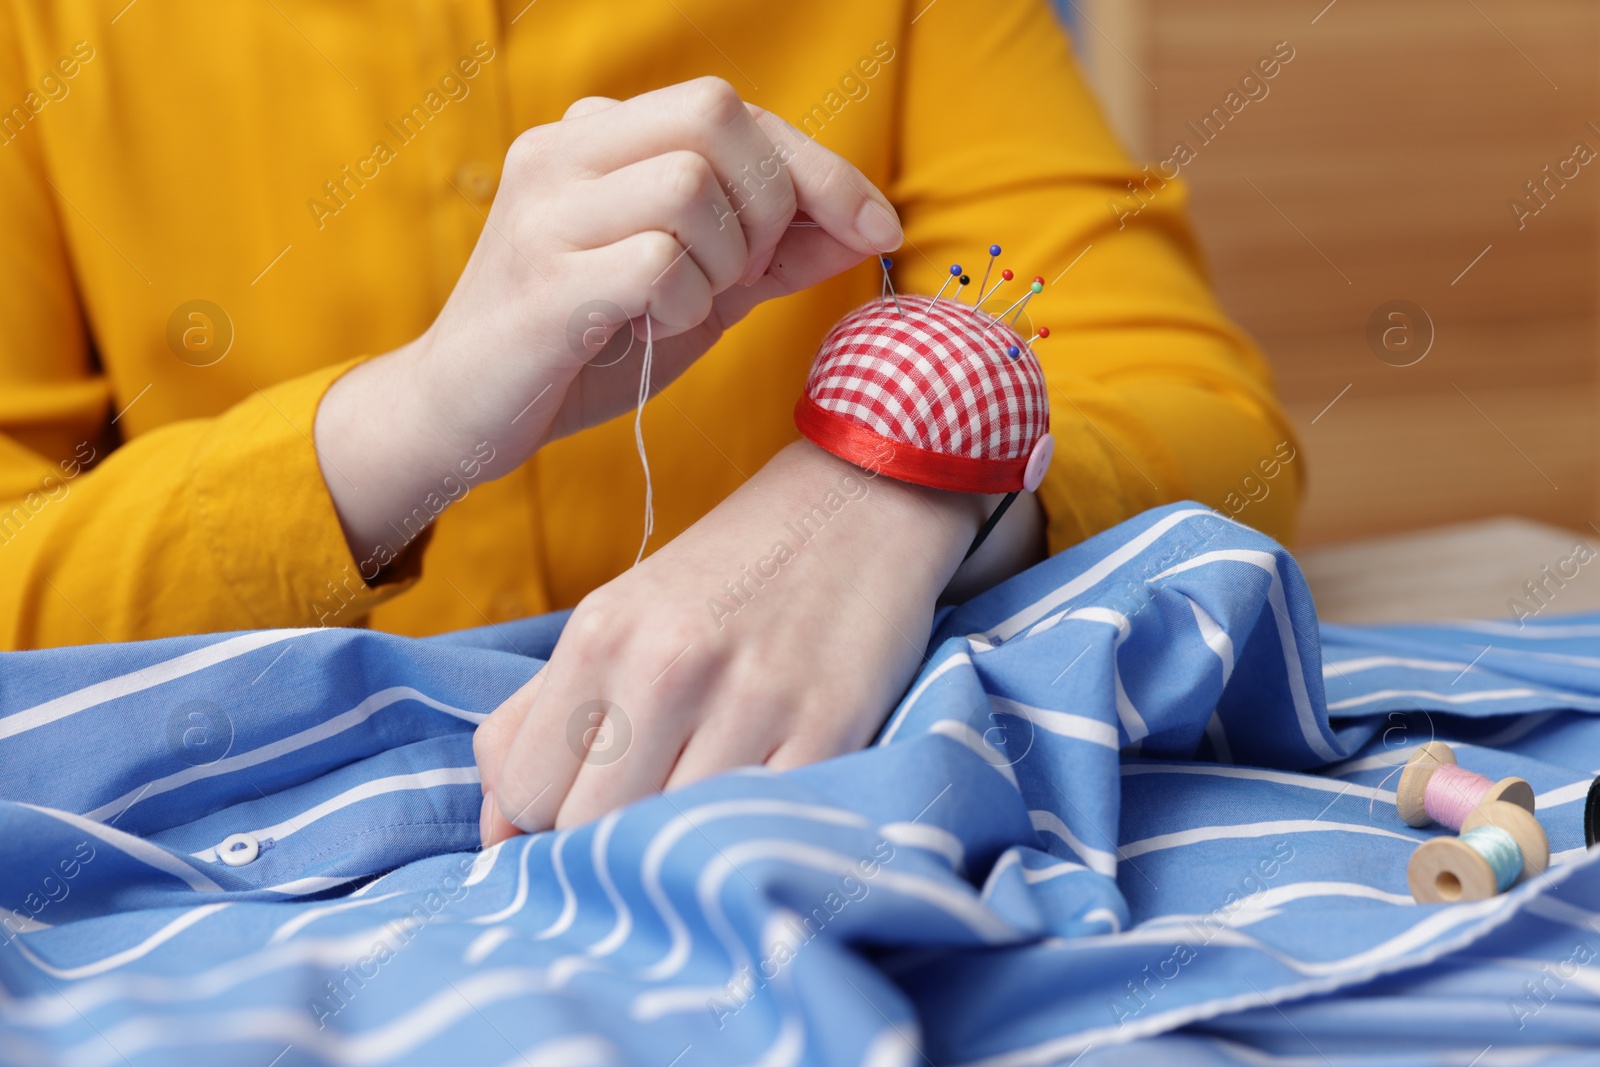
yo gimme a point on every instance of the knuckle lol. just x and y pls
(716, 100)
(582, 106)
(657, 253)
(590, 625)
(526, 149)
(685, 177)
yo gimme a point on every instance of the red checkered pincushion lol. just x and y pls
(926, 392)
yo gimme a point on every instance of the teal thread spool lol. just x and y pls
(1499, 843)
(1499, 849)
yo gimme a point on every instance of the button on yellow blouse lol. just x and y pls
(309, 179)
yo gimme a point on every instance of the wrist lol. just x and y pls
(386, 454)
(935, 524)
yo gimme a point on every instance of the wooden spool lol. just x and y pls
(1523, 828)
(1410, 798)
(1446, 870)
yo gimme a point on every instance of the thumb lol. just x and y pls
(805, 256)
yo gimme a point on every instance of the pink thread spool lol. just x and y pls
(1434, 789)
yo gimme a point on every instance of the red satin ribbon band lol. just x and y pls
(854, 443)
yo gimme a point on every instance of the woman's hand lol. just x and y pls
(779, 629)
(651, 209)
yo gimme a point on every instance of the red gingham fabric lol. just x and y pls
(936, 379)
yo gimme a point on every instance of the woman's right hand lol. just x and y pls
(674, 206)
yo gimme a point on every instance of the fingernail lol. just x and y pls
(879, 227)
(483, 817)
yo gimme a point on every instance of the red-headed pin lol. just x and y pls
(1005, 276)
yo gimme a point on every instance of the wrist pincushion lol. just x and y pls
(933, 392)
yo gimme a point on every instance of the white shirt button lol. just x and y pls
(477, 181)
(238, 850)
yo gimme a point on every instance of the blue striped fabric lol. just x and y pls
(1137, 808)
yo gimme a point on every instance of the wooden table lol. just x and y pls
(1471, 570)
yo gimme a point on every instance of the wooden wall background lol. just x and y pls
(1380, 167)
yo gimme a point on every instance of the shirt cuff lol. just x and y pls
(265, 514)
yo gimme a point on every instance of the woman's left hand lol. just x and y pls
(777, 630)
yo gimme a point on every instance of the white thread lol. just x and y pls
(638, 438)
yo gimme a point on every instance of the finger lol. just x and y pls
(589, 105)
(489, 744)
(829, 188)
(494, 734)
(654, 275)
(540, 765)
(804, 750)
(622, 770)
(805, 257)
(704, 116)
(718, 746)
(676, 193)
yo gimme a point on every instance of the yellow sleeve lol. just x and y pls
(1155, 395)
(210, 524)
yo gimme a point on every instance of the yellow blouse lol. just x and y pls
(210, 211)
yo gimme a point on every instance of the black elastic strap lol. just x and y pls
(1591, 815)
(988, 527)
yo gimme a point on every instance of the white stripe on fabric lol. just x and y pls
(151, 855)
(655, 856)
(399, 783)
(357, 715)
(1035, 875)
(127, 955)
(1363, 964)
(624, 924)
(138, 681)
(1062, 723)
(1104, 915)
(1265, 903)
(1254, 829)
(1536, 632)
(301, 887)
(959, 904)
(569, 900)
(1565, 794)
(1370, 663)
(1479, 697)
(891, 1048)
(957, 659)
(464, 998)
(1099, 860)
(929, 838)
(485, 943)
(585, 1050)
(1215, 637)
(1288, 640)
(963, 734)
(54, 1009)
(1094, 575)
(520, 895)
(306, 918)
(1218, 738)
(1300, 781)
(1132, 721)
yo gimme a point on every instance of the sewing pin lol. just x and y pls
(1005, 276)
(994, 250)
(888, 284)
(955, 272)
(1036, 287)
